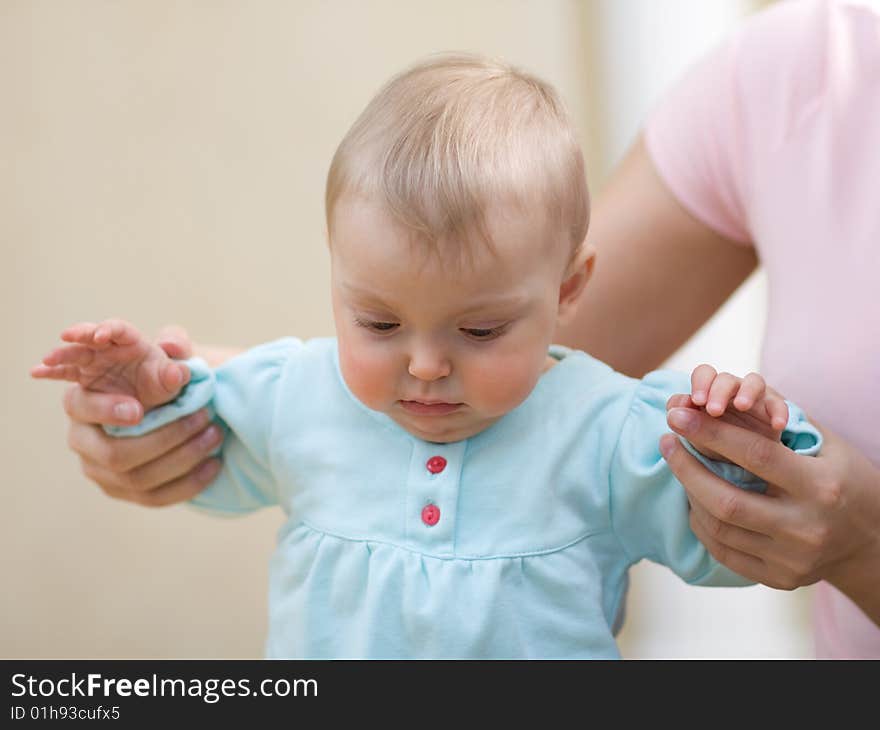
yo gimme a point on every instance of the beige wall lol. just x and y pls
(164, 161)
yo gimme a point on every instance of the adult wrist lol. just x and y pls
(859, 579)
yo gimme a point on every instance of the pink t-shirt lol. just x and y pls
(773, 140)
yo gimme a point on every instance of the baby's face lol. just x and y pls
(445, 352)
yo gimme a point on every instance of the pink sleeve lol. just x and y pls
(696, 140)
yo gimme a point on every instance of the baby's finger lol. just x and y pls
(81, 332)
(777, 410)
(175, 340)
(117, 331)
(70, 355)
(722, 391)
(751, 390)
(104, 332)
(173, 376)
(174, 349)
(56, 372)
(701, 381)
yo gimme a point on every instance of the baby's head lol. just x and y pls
(457, 209)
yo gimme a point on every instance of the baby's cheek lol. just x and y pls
(368, 376)
(503, 385)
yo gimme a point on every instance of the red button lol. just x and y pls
(431, 515)
(436, 464)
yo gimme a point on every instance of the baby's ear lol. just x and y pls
(577, 274)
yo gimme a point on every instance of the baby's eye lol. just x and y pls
(484, 334)
(376, 326)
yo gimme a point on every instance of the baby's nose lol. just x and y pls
(429, 366)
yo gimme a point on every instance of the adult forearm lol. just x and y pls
(859, 579)
(659, 274)
(856, 571)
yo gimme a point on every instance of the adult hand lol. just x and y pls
(818, 520)
(164, 467)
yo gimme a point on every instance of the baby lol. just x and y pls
(455, 485)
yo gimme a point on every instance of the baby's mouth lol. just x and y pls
(429, 408)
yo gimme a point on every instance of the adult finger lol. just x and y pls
(177, 490)
(731, 536)
(748, 566)
(184, 488)
(724, 501)
(770, 460)
(154, 474)
(87, 406)
(176, 462)
(679, 400)
(124, 454)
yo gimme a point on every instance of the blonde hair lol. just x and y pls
(445, 139)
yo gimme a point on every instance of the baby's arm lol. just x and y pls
(648, 507)
(244, 394)
(114, 357)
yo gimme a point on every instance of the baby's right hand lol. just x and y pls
(114, 357)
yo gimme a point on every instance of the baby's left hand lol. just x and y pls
(747, 402)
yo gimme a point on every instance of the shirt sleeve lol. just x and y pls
(714, 135)
(243, 395)
(696, 139)
(649, 507)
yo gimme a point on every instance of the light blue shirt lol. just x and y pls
(538, 518)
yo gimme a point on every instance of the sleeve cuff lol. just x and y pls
(197, 394)
(799, 435)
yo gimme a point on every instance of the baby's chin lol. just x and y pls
(442, 429)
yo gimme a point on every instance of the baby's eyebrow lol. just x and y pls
(506, 303)
(365, 296)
